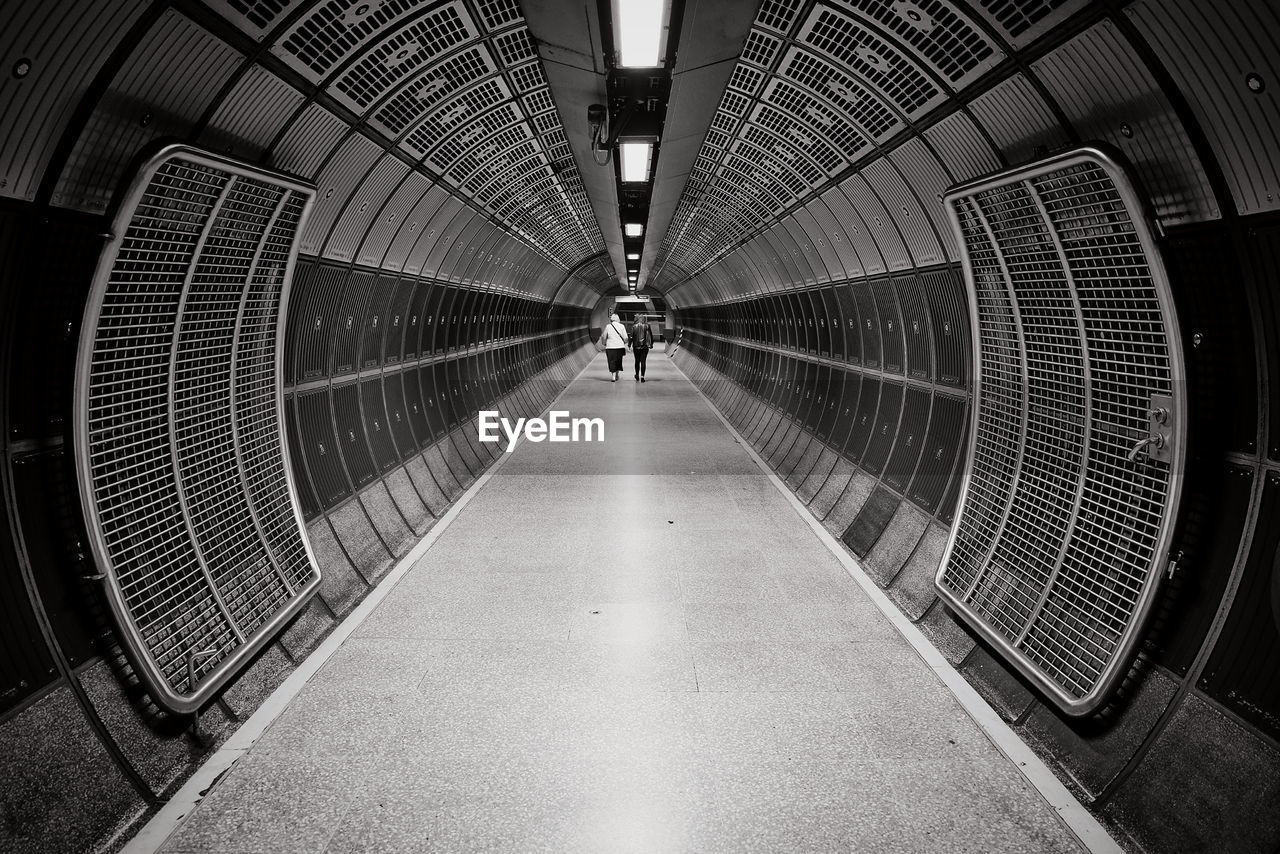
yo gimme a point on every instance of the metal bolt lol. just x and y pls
(1126, 131)
(1254, 81)
(21, 68)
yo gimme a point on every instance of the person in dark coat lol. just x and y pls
(641, 340)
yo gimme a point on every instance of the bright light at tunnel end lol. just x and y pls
(639, 30)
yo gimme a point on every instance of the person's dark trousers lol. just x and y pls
(641, 354)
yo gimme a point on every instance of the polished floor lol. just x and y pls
(628, 646)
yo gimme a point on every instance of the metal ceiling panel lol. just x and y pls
(465, 107)
(912, 223)
(342, 174)
(1077, 442)
(925, 174)
(419, 44)
(365, 204)
(893, 73)
(333, 32)
(309, 141)
(54, 53)
(441, 80)
(1019, 120)
(1109, 94)
(253, 17)
(374, 251)
(252, 114)
(864, 108)
(816, 117)
(939, 32)
(178, 420)
(1023, 21)
(161, 91)
(1223, 57)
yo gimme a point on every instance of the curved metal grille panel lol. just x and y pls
(183, 473)
(1076, 449)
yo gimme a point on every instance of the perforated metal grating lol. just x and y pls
(1065, 522)
(183, 474)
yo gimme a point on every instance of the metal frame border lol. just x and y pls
(132, 642)
(1112, 163)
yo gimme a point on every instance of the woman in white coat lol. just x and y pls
(614, 339)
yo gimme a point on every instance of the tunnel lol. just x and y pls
(947, 516)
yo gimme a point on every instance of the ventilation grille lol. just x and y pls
(855, 47)
(183, 474)
(1062, 537)
(333, 32)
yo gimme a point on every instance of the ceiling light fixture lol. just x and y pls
(640, 25)
(635, 161)
(633, 256)
(633, 229)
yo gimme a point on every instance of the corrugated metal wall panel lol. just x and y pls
(878, 222)
(441, 232)
(1019, 120)
(344, 330)
(61, 50)
(870, 261)
(393, 218)
(1215, 53)
(252, 115)
(335, 185)
(827, 220)
(925, 174)
(366, 204)
(1241, 672)
(413, 226)
(1110, 95)
(153, 96)
(962, 147)
(915, 228)
(821, 242)
(308, 141)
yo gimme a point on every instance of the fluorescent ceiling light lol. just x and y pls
(633, 229)
(635, 160)
(639, 28)
(633, 256)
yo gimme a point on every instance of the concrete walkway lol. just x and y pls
(629, 646)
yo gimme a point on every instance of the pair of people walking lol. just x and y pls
(617, 339)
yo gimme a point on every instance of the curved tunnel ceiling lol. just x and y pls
(842, 123)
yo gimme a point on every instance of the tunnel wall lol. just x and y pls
(83, 751)
(867, 427)
(420, 307)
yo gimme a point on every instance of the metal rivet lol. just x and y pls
(146, 119)
(1197, 338)
(1126, 131)
(21, 68)
(1254, 81)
